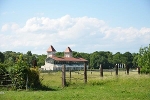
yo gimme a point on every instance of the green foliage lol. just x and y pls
(144, 59)
(59, 54)
(2, 57)
(33, 78)
(135, 58)
(3, 68)
(11, 57)
(106, 58)
(18, 73)
(22, 75)
(41, 60)
(29, 53)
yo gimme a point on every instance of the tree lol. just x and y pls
(29, 53)
(41, 60)
(100, 57)
(2, 57)
(128, 58)
(59, 54)
(117, 58)
(144, 59)
(135, 58)
(10, 57)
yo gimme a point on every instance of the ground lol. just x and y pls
(110, 87)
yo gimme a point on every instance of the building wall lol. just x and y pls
(48, 66)
(50, 54)
(68, 54)
(68, 67)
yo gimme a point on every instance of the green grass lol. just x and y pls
(110, 87)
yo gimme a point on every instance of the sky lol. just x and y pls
(83, 25)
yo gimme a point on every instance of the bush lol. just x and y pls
(33, 78)
(18, 75)
(23, 76)
(145, 70)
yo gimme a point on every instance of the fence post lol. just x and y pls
(85, 73)
(116, 66)
(63, 76)
(138, 70)
(70, 74)
(127, 67)
(101, 70)
(27, 83)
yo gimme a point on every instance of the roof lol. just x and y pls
(69, 59)
(51, 49)
(68, 49)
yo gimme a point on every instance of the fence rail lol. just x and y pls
(5, 80)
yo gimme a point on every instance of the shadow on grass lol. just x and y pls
(38, 88)
(44, 88)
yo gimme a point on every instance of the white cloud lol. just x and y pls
(81, 34)
(5, 27)
(11, 26)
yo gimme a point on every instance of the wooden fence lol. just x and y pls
(5, 80)
(70, 75)
(83, 75)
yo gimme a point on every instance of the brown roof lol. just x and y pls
(51, 49)
(68, 50)
(69, 59)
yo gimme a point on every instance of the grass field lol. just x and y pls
(110, 87)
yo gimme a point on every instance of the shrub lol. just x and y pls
(23, 76)
(33, 78)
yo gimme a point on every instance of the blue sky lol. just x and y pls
(84, 25)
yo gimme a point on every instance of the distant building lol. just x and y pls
(55, 63)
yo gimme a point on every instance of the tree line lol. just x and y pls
(10, 58)
(106, 58)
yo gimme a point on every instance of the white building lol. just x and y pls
(55, 63)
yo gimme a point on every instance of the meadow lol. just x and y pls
(109, 87)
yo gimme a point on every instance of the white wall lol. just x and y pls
(49, 66)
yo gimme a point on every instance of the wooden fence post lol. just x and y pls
(116, 66)
(138, 70)
(63, 76)
(70, 74)
(127, 67)
(27, 83)
(85, 73)
(101, 70)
